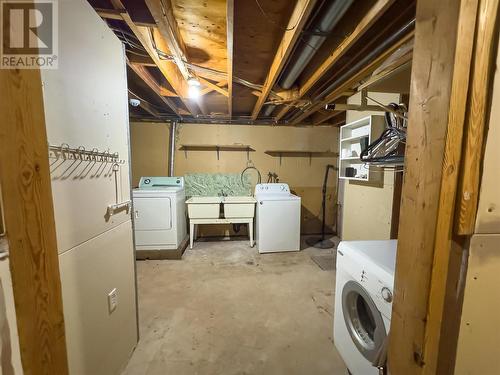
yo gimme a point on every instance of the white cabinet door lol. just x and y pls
(153, 213)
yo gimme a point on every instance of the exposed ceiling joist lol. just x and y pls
(362, 27)
(112, 14)
(347, 85)
(161, 10)
(141, 60)
(297, 21)
(148, 79)
(168, 68)
(230, 50)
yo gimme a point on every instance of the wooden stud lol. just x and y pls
(29, 219)
(363, 26)
(297, 21)
(445, 267)
(486, 36)
(230, 52)
(430, 102)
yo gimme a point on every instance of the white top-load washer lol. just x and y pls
(277, 218)
(363, 301)
(159, 213)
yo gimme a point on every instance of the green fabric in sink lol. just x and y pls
(213, 184)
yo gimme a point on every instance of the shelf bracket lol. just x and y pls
(218, 152)
(186, 153)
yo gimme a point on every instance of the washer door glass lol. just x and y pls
(363, 320)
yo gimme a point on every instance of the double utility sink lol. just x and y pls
(210, 207)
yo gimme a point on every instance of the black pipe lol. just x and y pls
(323, 203)
(370, 56)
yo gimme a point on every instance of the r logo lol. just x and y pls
(29, 35)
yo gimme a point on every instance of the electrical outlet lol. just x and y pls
(112, 300)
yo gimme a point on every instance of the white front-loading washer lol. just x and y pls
(159, 213)
(277, 218)
(363, 301)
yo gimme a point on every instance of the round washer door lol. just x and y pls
(363, 320)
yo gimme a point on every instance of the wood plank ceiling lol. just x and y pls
(240, 50)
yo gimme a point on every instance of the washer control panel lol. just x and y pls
(270, 188)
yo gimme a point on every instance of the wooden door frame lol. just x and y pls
(30, 225)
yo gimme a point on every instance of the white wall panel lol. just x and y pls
(99, 342)
(85, 102)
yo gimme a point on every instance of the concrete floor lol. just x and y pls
(225, 309)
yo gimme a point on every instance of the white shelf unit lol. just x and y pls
(351, 136)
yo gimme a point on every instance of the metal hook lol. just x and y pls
(63, 146)
(81, 152)
(94, 153)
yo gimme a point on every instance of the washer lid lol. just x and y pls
(156, 192)
(276, 197)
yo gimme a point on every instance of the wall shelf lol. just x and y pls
(217, 148)
(351, 137)
(300, 153)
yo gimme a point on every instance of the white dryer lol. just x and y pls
(363, 301)
(277, 218)
(159, 213)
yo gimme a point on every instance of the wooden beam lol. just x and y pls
(448, 263)
(148, 79)
(162, 12)
(213, 86)
(113, 14)
(144, 105)
(368, 69)
(30, 225)
(230, 52)
(417, 328)
(298, 19)
(476, 120)
(140, 60)
(168, 68)
(362, 27)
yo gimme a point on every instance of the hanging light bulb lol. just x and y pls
(194, 88)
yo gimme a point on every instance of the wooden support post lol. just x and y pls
(230, 52)
(420, 343)
(29, 217)
(487, 36)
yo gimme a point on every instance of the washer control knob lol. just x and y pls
(386, 294)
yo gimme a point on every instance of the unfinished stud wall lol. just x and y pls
(305, 177)
(367, 206)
